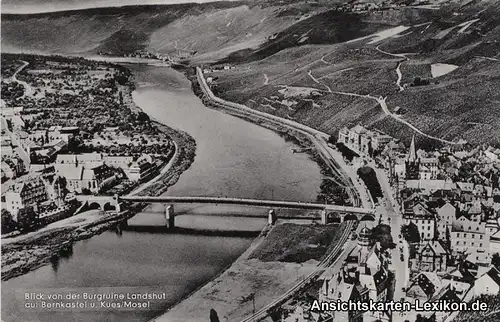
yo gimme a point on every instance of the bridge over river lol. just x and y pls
(327, 212)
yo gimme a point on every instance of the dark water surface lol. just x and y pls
(233, 158)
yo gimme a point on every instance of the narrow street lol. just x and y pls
(389, 209)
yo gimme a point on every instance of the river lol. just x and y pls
(233, 158)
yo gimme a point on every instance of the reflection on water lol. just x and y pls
(233, 158)
(64, 253)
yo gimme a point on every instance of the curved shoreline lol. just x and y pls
(60, 237)
(256, 242)
(182, 159)
(296, 137)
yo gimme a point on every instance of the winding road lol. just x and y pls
(318, 138)
(28, 90)
(398, 68)
(382, 102)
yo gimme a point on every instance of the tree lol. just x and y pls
(382, 233)
(61, 184)
(8, 223)
(410, 233)
(369, 177)
(86, 191)
(143, 117)
(214, 317)
(27, 219)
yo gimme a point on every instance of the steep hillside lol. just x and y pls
(430, 72)
(439, 71)
(212, 30)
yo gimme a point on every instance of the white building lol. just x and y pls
(445, 217)
(80, 178)
(425, 221)
(28, 192)
(362, 140)
(488, 284)
(469, 236)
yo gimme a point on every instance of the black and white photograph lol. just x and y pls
(250, 160)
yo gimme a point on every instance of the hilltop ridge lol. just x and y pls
(326, 64)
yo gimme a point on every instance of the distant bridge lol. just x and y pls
(248, 202)
(326, 210)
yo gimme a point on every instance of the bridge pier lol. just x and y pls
(324, 217)
(117, 204)
(170, 216)
(271, 217)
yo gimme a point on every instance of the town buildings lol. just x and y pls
(362, 140)
(82, 179)
(137, 170)
(431, 257)
(423, 217)
(29, 192)
(364, 276)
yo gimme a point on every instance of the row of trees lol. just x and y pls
(369, 177)
(27, 220)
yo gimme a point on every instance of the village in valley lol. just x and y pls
(447, 208)
(69, 128)
(335, 152)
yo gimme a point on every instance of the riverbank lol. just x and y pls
(22, 254)
(257, 277)
(28, 252)
(327, 190)
(183, 157)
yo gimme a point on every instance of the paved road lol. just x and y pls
(391, 215)
(318, 138)
(28, 90)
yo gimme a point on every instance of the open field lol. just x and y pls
(295, 243)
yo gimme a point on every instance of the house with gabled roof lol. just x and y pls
(424, 286)
(488, 283)
(423, 217)
(460, 280)
(431, 257)
(29, 191)
(445, 216)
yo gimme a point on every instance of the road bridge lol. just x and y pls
(327, 212)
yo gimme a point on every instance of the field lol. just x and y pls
(462, 104)
(308, 61)
(295, 243)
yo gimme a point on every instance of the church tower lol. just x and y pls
(364, 237)
(412, 162)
